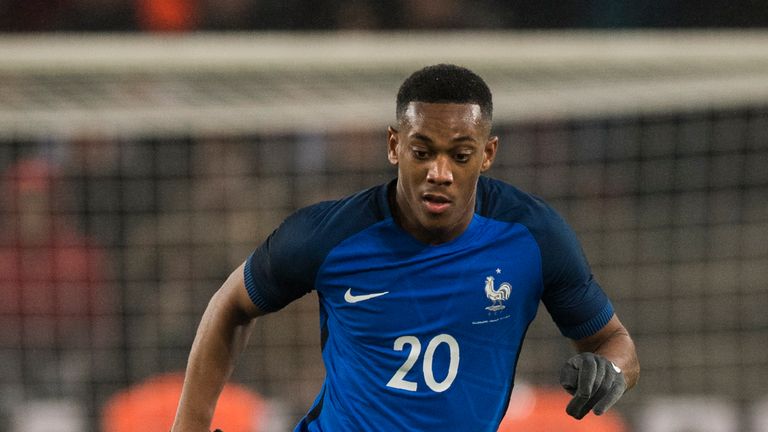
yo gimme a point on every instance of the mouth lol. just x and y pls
(436, 203)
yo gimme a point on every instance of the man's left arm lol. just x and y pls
(605, 368)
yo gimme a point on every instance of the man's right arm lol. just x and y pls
(221, 336)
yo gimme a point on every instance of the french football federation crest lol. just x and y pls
(496, 296)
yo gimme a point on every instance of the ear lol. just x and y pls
(489, 153)
(392, 143)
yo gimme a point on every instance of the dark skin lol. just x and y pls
(440, 151)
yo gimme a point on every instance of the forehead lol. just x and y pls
(443, 115)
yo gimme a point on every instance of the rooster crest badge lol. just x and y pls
(496, 296)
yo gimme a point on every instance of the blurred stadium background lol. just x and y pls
(149, 165)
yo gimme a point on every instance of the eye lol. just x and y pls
(462, 157)
(420, 154)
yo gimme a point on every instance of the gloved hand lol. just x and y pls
(595, 383)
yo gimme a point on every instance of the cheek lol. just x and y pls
(413, 172)
(469, 187)
(408, 177)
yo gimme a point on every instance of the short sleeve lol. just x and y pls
(572, 296)
(281, 269)
(285, 266)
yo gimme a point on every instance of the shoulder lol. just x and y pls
(501, 201)
(556, 240)
(337, 219)
(306, 237)
(284, 267)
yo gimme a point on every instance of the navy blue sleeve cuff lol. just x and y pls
(590, 327)
(253, 292)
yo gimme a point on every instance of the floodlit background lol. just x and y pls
(146, 147)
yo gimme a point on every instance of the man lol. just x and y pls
(426, 285)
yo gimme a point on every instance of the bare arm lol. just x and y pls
(614, 343)
(221, 336)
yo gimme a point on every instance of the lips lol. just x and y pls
(436, 203)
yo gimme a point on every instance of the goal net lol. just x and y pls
(156, 164)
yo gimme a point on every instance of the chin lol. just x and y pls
(437, 226)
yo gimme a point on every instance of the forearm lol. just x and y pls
(620, 349)
(221, 336)
(615, 344)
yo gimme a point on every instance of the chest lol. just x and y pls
(484, 286)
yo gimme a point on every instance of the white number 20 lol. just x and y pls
(398, 379)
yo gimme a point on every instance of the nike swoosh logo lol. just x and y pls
(358, 298)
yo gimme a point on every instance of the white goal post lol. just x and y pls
(209, 83)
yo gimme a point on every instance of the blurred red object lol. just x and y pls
(52, 277)
(151, 406)
(536, 409)
(167, 15)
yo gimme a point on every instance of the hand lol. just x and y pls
(594, 381)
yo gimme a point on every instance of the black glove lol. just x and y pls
(594, 381)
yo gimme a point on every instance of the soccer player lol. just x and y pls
(426, 285)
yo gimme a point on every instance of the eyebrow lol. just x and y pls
(427, 139)
(421, 137)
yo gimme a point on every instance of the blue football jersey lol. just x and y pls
(419, 337)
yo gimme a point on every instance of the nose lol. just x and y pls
(440, 172)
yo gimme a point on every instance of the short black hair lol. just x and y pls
(445, 83)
